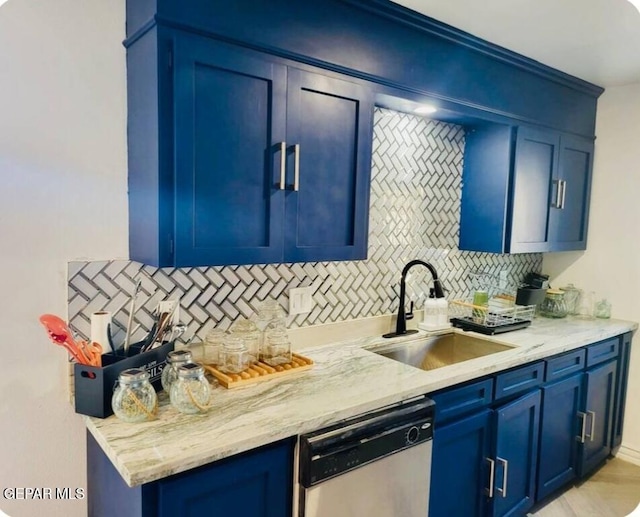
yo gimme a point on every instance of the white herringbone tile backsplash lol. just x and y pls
(415, 213)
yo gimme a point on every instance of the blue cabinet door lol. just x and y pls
(516, 453)
(229, 119)
(460, 466)
(536, 158)
(621, 391)
(257, 484)
(568, 219)
(559, 427)
(599, 403)
(329, 138)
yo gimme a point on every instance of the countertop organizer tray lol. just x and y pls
(260, 372)
(486, 320)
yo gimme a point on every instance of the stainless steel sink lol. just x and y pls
(438, 351)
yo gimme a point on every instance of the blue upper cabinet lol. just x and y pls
(229, 114)
(329, 134)
(261, 162)
(525, 190)
(250, 124)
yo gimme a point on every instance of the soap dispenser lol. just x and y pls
(443, 312)
(431, 309)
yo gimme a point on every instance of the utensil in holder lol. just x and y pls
(94, 386)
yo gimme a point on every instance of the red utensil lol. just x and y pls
(60, 334)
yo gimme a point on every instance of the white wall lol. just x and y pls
(62, 197)
(611, 264)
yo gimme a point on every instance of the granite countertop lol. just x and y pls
(347, 379)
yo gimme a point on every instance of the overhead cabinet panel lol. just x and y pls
(329, 133)
(229, 112)
(535, 163)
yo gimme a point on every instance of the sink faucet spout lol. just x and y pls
(401, 323)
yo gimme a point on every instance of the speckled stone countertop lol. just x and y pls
(347, 379)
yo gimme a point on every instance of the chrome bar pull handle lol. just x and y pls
(582, 438)
(283, 164)
(592, 432)
(505, 472)
(564, 193)
(556, 203)
(296, 167)
(492, 477)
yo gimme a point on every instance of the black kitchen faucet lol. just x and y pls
(401, 324)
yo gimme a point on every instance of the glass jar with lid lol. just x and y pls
(250, 335)
(174, 360)
(571, 298)
(212, 344)
(234, 356)
(553, 305)
(191, 393)
(134, 399)
(276, 348)
(271, 315)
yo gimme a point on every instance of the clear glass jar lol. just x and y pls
(271, 315)
(585, 305)
(602, 309)
(234, 356)
(553, 305)
(250, 335)
(134, 399)
(191, 393)
(571, 298)
(276, 348)
(174, 360)
(212, 344)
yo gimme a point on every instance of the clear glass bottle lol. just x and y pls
(276, 348)
(134, 399)
(212, 345)
(234, 356)
(250, 335)
(191, 393)
(553, 305)
(174, 360)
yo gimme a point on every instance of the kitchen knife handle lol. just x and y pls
(583, 432)
(593, 425)
(283, 164)
(296, 167)
(492, 477)
(505, 470)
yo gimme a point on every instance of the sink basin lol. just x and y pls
(439, 351)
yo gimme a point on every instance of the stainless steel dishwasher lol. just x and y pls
(373, 465)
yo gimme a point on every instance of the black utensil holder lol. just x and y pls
(94, 386)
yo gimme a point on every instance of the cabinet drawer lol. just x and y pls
(565, 364)
(602, 351)
(459, 401)
(519, 380)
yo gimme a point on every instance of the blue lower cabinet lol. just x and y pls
(621, 391)
(559, 427)
(258, 483)
(516, 454)
(600, 386)
(460, 467)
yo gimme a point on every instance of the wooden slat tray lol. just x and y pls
(260, 372)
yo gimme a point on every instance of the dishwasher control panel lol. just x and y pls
(362, 440)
